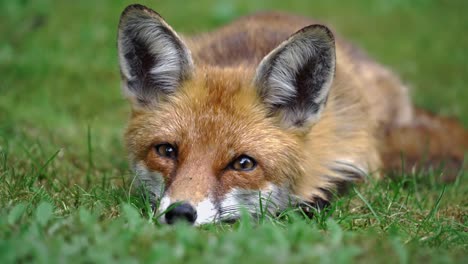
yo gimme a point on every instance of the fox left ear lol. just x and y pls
(154, 61)
(295, 78)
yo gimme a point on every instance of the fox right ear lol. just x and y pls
(153, 59)
(294, 79)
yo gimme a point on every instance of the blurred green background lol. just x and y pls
(62, 116)
(59, 70)
(58, 60)
(59, 77)
(60, 84)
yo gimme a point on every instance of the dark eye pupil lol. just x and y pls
(169, 150)
(243, 163)
(166, 150)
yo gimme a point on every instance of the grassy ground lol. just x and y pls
(64, 176)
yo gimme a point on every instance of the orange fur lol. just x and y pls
(216, 115)
(208, 137)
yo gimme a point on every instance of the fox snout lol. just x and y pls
(225, 208)
(172, 211)
(181, 212)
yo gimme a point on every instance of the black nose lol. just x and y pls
(183, 211)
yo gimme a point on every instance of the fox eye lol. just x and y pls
(166, 150)
(243, 163)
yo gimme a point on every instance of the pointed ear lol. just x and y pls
(153, 59)
(295, 78)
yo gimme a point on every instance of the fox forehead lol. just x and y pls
(216, 114)
(210, 109)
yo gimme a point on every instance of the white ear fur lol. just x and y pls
(295, 78)
(153, 59)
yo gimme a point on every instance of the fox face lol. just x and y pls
(211, 146)
(207, 141)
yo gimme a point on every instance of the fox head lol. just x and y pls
(213, 140)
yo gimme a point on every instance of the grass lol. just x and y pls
(64, 177)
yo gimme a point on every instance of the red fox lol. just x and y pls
(272, 107)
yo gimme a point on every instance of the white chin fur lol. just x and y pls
(272, 198)
(206, 212)
(164, 203)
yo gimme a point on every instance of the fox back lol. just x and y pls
(270, 111)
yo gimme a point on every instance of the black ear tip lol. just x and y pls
(318, 29)
(134, 7)
(139, 9)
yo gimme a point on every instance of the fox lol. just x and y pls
(268, 112)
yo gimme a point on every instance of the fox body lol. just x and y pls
(270, 111)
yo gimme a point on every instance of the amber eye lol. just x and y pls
(243, 163)
(166, 150)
